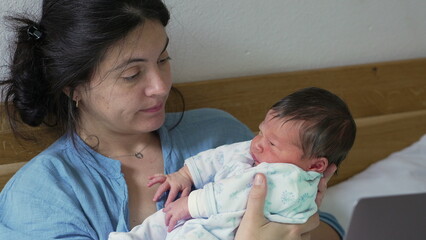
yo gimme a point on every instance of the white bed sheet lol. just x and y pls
(402, 172)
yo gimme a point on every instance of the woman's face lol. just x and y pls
(128, 91)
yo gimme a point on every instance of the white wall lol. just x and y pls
(8, 7)
(226, 38)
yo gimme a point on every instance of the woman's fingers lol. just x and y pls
(322, 185)
(256, 200)
(255, 226)
(329, 172)
(253, 219)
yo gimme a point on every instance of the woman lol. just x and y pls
(101, 70)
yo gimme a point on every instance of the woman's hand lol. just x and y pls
(254, 225)
(324, 231)
(322, 185)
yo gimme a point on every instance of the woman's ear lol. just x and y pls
(67, 91)
(75, 95)
(318, 164)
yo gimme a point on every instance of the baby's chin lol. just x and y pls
(256, 162)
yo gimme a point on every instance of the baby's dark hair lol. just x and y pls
(62, 50)
(328, 128)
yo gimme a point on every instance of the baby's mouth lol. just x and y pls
(256, 162)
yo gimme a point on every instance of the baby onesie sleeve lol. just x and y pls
(205, 165)
(290, 199)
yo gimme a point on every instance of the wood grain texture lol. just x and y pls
(388, 101)
(369, 90)
(7, 171)
(378, 137)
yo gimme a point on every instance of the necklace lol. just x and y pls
(138, 155)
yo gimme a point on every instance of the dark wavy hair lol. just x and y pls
(62, 50)
(328, 129)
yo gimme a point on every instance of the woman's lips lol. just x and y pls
(154, 109)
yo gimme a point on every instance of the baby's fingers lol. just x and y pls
(170, 220)
(185, 192)
(161, 189)
(157, 178)
(172, 224)
(172, 196)
(168, 216)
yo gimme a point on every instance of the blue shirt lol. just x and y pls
(69, 191)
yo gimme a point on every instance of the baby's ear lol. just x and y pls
(319, 164)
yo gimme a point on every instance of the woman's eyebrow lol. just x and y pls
(165, 45)
(132, 60)
(122, 65)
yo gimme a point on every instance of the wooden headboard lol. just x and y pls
(388, 101)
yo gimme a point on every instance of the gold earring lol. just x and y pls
(76, 103)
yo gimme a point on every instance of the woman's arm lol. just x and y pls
(324, 232)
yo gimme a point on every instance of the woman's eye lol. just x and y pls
(271, 143)
(164, 60)
(132, 77)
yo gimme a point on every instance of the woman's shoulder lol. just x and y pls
(213, 123)
(60, 163)
(200, 114)
(42, 167)
(202, 129)
(208, 119)
(57, 183)
(67, 160)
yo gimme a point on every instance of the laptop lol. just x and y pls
(399, 217)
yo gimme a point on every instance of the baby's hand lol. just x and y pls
(178, 182)
(175, 211)
(156, 178)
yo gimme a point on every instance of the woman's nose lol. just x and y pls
(159, 83)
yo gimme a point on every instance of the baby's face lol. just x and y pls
(278, 142)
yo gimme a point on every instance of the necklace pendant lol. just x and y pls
(139, 155)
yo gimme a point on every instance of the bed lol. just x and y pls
(387, 100)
